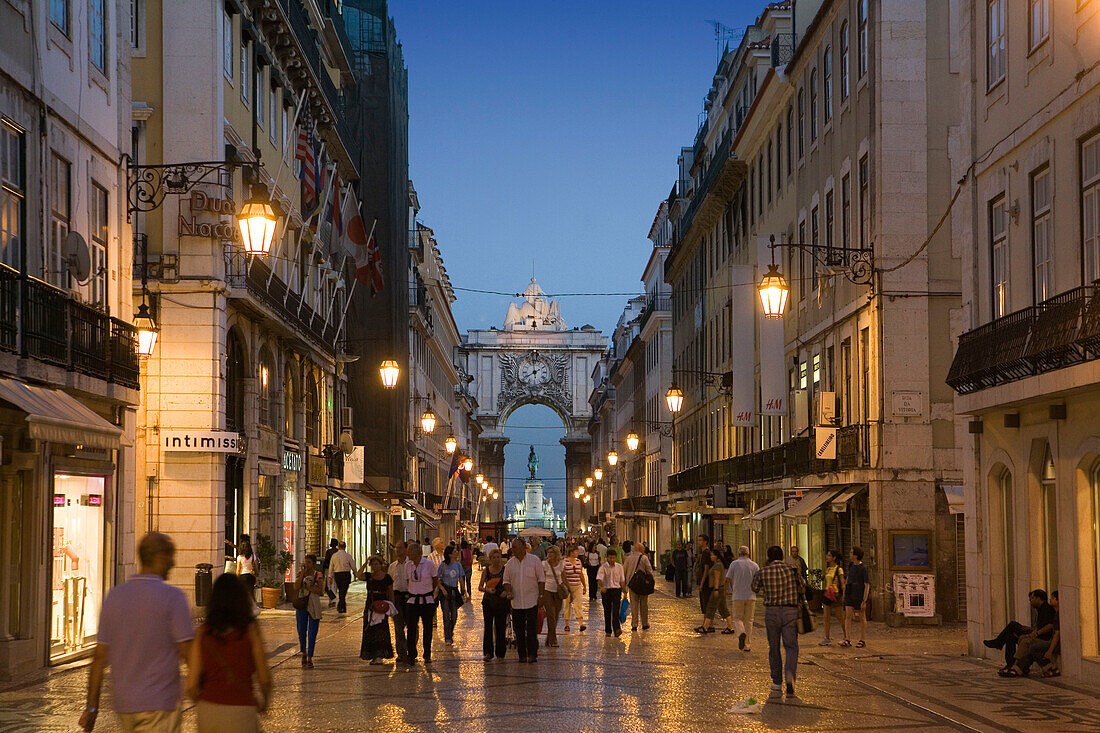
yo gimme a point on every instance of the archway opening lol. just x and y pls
(542, 428)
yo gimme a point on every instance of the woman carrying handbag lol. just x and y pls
(554, 592)
(834, 593)
(308, 588)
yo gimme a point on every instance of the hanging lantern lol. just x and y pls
(773, 293)
(674, 397)
(632, 441)
(390, 372)
(257, 221)
(598, 473)
(467, 464)
(428, 420)
(479, 478)
(147, 331)
(612, 458)
(451, 444)
(588, 482)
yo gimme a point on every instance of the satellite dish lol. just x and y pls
(346, 444)
(77, 257)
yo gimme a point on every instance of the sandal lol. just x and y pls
(846, 642)
(1007, 673)
(700, 630)
(860, 644)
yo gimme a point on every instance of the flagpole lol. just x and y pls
(354, 282)
(297, 248)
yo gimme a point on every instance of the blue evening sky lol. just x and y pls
(548, 132)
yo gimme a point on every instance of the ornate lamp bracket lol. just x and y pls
(147, 185)
(857, 264)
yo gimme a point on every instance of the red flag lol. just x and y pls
(368, 258)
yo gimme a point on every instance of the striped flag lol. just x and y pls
(368, 263)
(306, 154)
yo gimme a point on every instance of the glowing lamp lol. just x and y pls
(632, 441)
(390, 372)
(257, 221)
(674, 397)
(773, 293)
(147, 331)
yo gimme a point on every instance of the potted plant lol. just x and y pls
(273, 563)
(816, 582)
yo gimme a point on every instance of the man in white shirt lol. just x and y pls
(601, 550)
(436, 555)
(639, 604)
(524, 579)
(341, 565)
(423, 581)
(740, 575)
(400, 595)
(611, 579)
(489, 547)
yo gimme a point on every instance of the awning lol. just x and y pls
(810, 502)
(361, 499)
(58, 417)
(765, 512)
(840, 503)
(429, 517)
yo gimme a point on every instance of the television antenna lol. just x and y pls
(723, 36)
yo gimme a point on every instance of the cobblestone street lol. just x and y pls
(667, 678)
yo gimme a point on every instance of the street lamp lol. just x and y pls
(632, 441)
(674, 397)
(480, 479)
(390, 372)
(857, 264)
(773, 293)
(428, 420)
(467, 464)
(257, 221)
(588, 482)
(612, 458)
(598, 473)
(147, 330)
(451, 444)
(587, 498)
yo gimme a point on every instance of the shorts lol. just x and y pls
(716, 604)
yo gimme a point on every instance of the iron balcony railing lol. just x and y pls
(255, 277)
(796, 457)
(782, 48)
(654, 304)
(1059, 332)
(647, 504)
(722, 154)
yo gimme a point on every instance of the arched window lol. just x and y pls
(801, 122)
(289, 411)
(827, 71)
(1002, 543)
(236, 370)
(813, 105)
(269, 408)
(313, 432)
(1048, 487)
(844, 61)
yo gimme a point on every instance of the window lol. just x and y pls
(760, 185)
(12, 194)
(827, 70)
(815, 229)
(862, 49)
(1042, 244)
(995, 62)
(261, 98)
(137, 23)
(844, 61)
(288, 402)
(1094, 481)
(801, 260)
(15, 508)
(1049, 505)
(801, 123)
(60, 211)
(268, 408)
(245, 72)
(60, 14)
(865, 369)
(779, 158)
(817, 371)
(97, 34)
(227, 46)
(1038, 22)
(802, 381)
(998, 245)
(236, 372)
(864, 202)
(1090, 208)
(790, 148)
(286, 127)
(813, 105)
(95, 291)
(312, 412)
(769, 171)
(846, 380)
(845, 211)
(273, 111)
(829, 222)
(1004, 541)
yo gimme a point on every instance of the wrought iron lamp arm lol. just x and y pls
(147, 185)
(858, 262)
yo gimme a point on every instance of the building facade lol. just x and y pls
(68, 361)
(831, 427)
(1025, 370)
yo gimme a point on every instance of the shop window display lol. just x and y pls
(77, 568)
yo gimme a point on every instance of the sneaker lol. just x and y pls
(700, 629)
(741, 641)
(728, 631)
(825, 642)
(790, 689)
(711, 630)
(776, 687)
(992, 644)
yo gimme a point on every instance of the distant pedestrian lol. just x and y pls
(680, 571)
(341, 565)
(436, 555)
(637, 561)
(400, 596)
(330, 590)
(524, 580)
(781, 586)
(601, 550)
(144, 630)
(573, 572)
(225, 660)
(246, 567)
(307, 589)
(423, 583)
(856, 592)
(796, 560)
(451, 573)
(833, 598)
(553, 569)
(702, 564)
(593, 561)
(466, 554)
(716, 603)
(489, 546)
(740, 574)
(376, 644)
(611, 580)
(494, 606)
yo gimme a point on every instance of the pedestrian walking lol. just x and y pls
(833, 598)
(489, 546)
(330, 589)
(797, 561)
(436, 555)
(466, 554)
(144, 630)
(246, 568)
(524, 580)
(702, 564)
(593, 560)
(553, 593)
(308, 587)
(638, 562)
(451, 573)
(225, 660)
(601, 550)
(423, 582)
(716, 602)
(680, 571)
(341, 565)
(782, 588)
(574, 576)
(611, 578)
(494, 606)
(857, 590)
(400, 597)
(376, 644)
(740, 574)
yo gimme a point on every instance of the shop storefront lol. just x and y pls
(358, 520)
(79, 569)
(292, 468)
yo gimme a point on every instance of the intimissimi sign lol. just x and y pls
(199, 441)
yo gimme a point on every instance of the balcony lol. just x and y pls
(782, 49)
(1059, 332)
(286, 305)
(654, 304)
(642, 504)
(41, 322)
(787, 460)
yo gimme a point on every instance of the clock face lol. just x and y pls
(533, 373)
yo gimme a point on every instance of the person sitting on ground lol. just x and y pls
(1015, 633)
(1032, 649)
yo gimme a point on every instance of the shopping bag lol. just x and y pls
(542, 619)
(624, 611)
(670, 573)
(805, 618)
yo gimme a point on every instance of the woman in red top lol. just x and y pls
(224, 658)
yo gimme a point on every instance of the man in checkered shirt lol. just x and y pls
(782, 589)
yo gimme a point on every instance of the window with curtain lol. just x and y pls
(95, 291)
(998, 247)
(60, 218)
(996, 63)
(1042, 245)
(1090, 208)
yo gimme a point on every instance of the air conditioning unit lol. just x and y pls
(801, 403)
(825, 408)
(345, 417)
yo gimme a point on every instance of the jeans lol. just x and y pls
(592, 581)
(639, 606)
(574, 604)
(496, 621)
(343, 580)
(525, 624)
(464, 583)
(450, 612)
(683, 585)
(781, 623)
(425, 614)
(743, 613)
(612, 605)
(307, 631)
(399, 598)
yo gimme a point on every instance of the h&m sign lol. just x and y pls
(199, 441)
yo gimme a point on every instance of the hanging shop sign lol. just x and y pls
(199, 441)
(318, 470)
(354, 464)
(202, 224)
(292, 461)
(791, 497)
(826, 443)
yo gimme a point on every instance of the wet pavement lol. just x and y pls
(666, 678)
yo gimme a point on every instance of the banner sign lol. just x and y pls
(199, 441)
(826, 443)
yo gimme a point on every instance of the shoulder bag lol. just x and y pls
(562, 592)
(641, 582)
